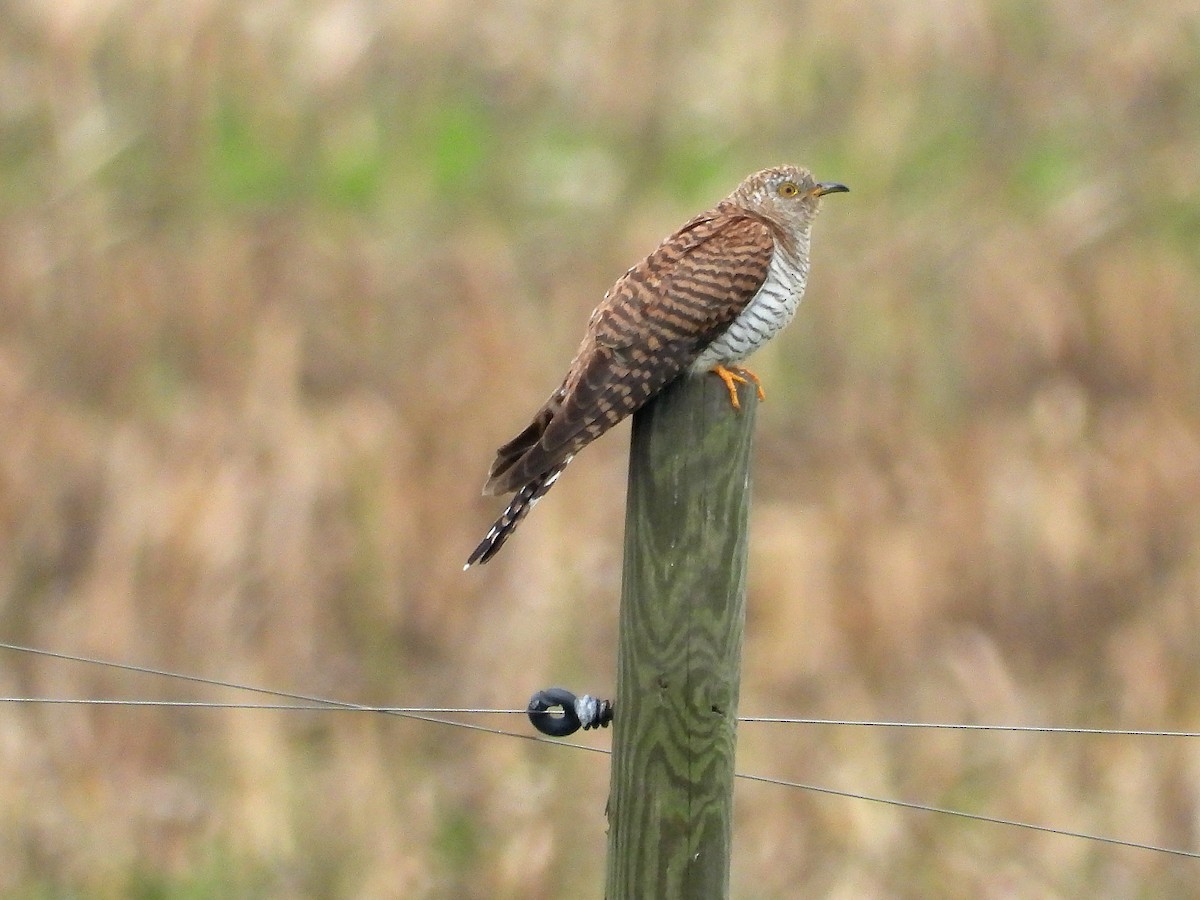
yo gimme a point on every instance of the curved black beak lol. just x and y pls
(831, 187)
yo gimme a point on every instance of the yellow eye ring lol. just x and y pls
(788, 189)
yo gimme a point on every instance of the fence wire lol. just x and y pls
(436, 715)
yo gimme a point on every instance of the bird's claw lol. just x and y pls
(735, 376)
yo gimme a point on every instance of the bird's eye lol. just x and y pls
(788, 189)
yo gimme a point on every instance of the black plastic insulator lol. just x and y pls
(577, 712)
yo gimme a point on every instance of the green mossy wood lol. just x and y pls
(683, 609)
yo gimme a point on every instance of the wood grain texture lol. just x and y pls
(680, 646)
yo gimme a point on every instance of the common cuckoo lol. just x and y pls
(711, 294)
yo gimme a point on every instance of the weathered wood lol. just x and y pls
(680, 645)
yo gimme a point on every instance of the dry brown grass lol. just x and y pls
(275, 277)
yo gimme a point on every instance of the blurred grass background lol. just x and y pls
(276, 276)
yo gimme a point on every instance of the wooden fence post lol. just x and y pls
(683, 606)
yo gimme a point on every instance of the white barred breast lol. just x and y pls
(764, 316)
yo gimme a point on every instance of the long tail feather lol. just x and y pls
(518, 508)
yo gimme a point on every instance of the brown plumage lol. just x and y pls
(709, 295)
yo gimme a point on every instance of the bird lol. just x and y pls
(707, 297)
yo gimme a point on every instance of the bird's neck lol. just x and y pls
(794, 245)
(792, 242)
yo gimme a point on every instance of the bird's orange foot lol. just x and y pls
(735, 376)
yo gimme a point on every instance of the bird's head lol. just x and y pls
(788, 195)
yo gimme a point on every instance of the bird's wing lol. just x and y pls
(648, 329)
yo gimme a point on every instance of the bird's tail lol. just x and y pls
(518, 508)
